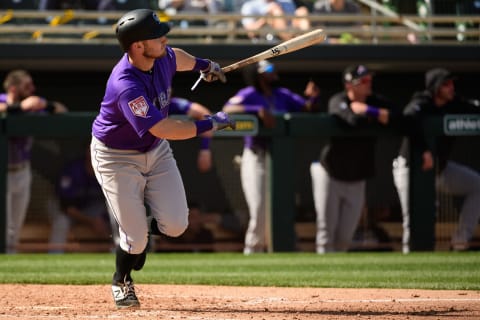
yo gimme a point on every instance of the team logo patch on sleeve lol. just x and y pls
(139, 106)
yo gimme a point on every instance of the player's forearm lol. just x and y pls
(198, 111)
(174, 129)
(242, 108)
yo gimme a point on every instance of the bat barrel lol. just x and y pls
(294, 44)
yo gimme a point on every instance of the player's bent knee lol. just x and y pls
(134, 246)
(177, 228)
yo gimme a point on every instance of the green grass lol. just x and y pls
(438, 270)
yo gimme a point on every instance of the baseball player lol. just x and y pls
(339, 177)
(439, 98)
(264, 99)
(19, 98)
(130, 152)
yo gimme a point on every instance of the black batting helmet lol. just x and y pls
(138, 25)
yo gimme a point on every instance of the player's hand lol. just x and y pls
(312, 90)
(427, 161)
(214, 73)
(221, 120)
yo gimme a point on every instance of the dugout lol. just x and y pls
(76, 75)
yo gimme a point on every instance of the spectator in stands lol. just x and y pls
(439, 98)
(265, 98)
(270, 12)
(232, 6)
(337, 7)
(193, 7)
(19, 98)
(81, 202)
(346, 162)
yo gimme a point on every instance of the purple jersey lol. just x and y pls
(134, 101)
(282, 101)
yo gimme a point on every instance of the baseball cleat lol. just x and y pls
(124, 295)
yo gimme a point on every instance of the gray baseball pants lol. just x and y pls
(339, 206)
(455, 179)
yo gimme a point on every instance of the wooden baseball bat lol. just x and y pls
(294, 44)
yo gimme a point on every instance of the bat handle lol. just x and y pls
(197, 82)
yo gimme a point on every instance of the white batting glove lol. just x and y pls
(213, 73)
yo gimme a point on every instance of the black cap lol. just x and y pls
(353, 73)
(138, 25)
(434, 78)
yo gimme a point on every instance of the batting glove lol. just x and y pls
(213, 73)
(221, 120)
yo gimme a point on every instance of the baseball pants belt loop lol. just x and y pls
(17, 166)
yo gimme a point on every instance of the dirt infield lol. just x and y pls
(226, 303)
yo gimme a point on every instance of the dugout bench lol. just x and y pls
(288, 128)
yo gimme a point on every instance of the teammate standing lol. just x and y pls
(438, 98)
(130, 153)
(265, 99)
(339, 178)
(20, 98)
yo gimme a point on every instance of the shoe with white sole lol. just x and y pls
(124, 295)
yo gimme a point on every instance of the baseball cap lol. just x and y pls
(138, 25)
(353, 73)
(265, 66)
(435, 77)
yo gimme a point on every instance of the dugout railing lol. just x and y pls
(288, 130)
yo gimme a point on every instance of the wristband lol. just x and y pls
(201, 64)
(205, 143)
(372, 111)
(252, 108)
(203, 126)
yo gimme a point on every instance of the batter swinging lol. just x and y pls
(130, 153)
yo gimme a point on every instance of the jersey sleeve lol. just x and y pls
(295, 102)
(139, 110)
